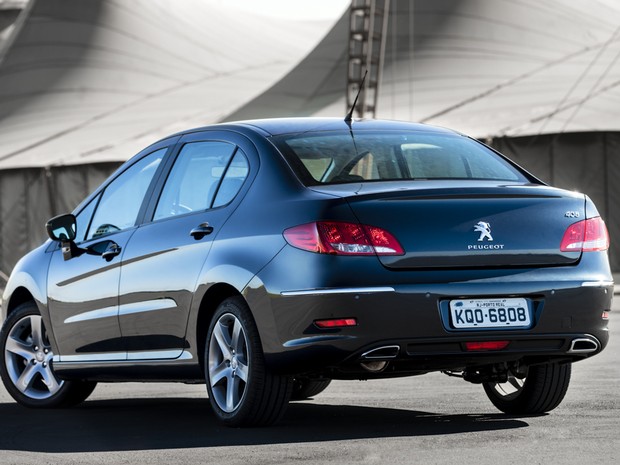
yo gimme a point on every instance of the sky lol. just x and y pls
(293, 9)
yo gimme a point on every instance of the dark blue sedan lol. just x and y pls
(267, 258)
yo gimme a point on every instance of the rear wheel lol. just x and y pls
(541, 391)
(304, 388)
(242, 392)
(26, 365)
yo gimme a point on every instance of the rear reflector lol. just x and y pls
(605, 315)
(586, 236)
(336, 323)
(489, 345)
(339, 238)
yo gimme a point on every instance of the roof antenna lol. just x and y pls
(349, 117)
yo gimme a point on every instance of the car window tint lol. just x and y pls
(336, 157)
(121, 200)
(236, 173)
(194, 178)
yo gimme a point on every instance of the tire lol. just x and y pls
(304, 388)
(541, 391)
(242, 392)
(26, 364)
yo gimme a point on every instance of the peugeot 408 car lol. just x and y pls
(266, 258)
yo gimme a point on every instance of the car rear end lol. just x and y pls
(449, 258)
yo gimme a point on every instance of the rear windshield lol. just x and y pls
(338, 157)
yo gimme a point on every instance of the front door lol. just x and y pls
(83, 291)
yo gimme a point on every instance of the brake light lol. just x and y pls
(490, 345)
(339, 238)
(586, 236)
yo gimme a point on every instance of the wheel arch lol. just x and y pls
(19, 296)
(214, 296)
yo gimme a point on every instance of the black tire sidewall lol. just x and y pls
(543, 390)
(305, 388)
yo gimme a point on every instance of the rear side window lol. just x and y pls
(233, 179)
(334, 157)
(205, 175)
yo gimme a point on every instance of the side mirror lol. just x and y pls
(62, 228)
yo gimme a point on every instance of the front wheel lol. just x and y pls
(26, 364)
(242, 392)
(541, 391)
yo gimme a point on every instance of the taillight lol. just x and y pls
(339, 238)
(586, 236)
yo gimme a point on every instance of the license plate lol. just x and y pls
(490, 313)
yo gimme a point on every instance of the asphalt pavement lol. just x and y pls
(430, 419)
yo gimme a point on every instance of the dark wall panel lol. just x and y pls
(30, 196)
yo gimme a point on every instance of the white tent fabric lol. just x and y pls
(489, 68)
(88, 81)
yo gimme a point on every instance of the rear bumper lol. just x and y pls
(568, 326)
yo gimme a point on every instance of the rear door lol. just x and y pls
(165, 256)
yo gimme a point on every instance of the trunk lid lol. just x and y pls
(464, 224)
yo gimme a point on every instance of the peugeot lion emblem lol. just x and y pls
(485, 231)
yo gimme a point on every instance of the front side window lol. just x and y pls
(122, 199)
(196, 177)
(339, 157)
(83, 219)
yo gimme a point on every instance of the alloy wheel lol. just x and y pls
(228, 362)
(28, 358)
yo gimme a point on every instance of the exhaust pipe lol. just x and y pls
(583, 346)
(377, 358)
(381, 353)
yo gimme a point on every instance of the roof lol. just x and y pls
(279, 126)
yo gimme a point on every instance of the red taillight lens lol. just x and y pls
(338, 238)
(490, 345)
(345, 238)
(306, 237)
(586, 236)
(336, 323)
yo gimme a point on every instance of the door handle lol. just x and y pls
(201, 231)
(111, 251)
